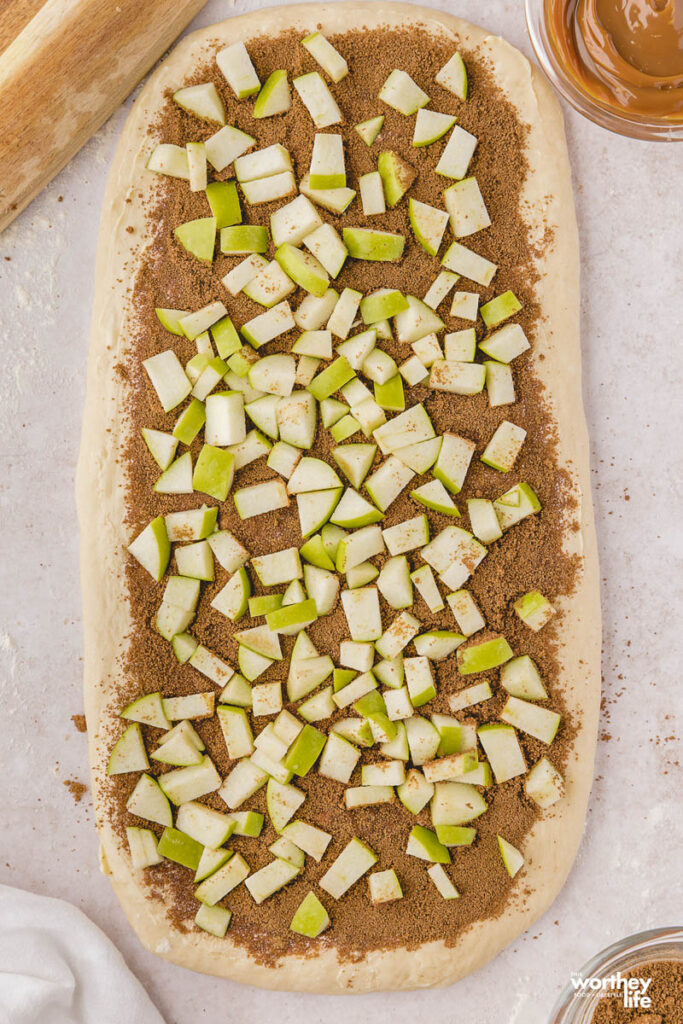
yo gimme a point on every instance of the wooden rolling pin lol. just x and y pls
(72, 63)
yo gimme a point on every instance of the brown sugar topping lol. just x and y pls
(530, 556)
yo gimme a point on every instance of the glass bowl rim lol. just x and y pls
(599, 965)
(632, 126)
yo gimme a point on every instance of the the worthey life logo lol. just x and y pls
(633, 991)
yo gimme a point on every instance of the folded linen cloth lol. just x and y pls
(57, 967)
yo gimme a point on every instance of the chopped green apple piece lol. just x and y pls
(233, 599)
(433, 495)
(313, 551)
(353, 511)
(451, 766)
(423, 843)
(371, 244)
(235, 64)
(181, 849)
(168, 378)
(461, 346)
(242, 782)
(453, 76)
(227, 550)
(259, 499)
(416, 792)
(397, 176)
(311, 919)
(361, 607)
(240, 276)
(236, 730)
(193, 705)
(152, 548)
(210, 861)
(305, 674)
(148, 710)
(461, 260)
(444, 885)
(503, 448)
(227, 145)
(370, 129)
(502, 307)
(503, 751)
(275, 96)
(355, 461)
(204, 825)
(274, 374)
(318, 100)
(419, 680)
(315, 343)
(390, 672)
(128, 753)
(214, 920)
(352, 863)
(387, 482)
(304, 269)
(466, 209)
(456, 835)
(457, 378)
(357, 547)
(416, 321)
(169, 160)
(313, 841)
(466, 306)
(511, 857)
(428, 589)
(149, 801)
(305, 751)
(439, 288)
(516, 504)
(430, 126)
(202, 319)
(544, 784)
(327, 162)
(483, 519)
(402, 93)
(242, 239)
(394, 582)
(406, 536)
(457, 154)
(179, 750)
(384, 886)
(296, 419)
(203, 100)
(336, 200)
(372, 194)
(211, 666)
(399, 634)
(521, 678)
(465, 611)
(223, 881)
(484, 655)
(505, 344)
(183, 784)
(453, 461)
(267, 190)
(292, 222)
(315, 508)
(162, 446)
(469, 696)
(177, 479)
(456, 803)
(278, 567)
(534, 610)
(329, 58)
(142, 843)
(224, 203)
(213, 472)
(541, 723)
(198, 237)
(428, 224)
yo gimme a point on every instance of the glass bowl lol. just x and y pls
(633, 125)
(576, 1006)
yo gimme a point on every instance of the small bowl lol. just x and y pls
(576, 1006)
(633, 125)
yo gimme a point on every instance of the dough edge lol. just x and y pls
(551, 846)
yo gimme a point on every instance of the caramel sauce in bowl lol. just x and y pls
(618, 62)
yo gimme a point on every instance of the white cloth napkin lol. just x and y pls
(57, 967)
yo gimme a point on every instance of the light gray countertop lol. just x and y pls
(628, 197)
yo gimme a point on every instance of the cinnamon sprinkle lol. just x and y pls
(529, 556)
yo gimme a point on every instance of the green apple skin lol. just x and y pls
(274, 97)
(311, 918)
(376, 246)
(213, 472)
(501, 308)
(397, 176)
(198, 237)
(178, 847)
(305, 751)
(224, 202)
(484, 656)
(169, 318)
(369, 130)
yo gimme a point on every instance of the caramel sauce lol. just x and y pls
(626, 54)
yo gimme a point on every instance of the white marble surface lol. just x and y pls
(629, 207)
